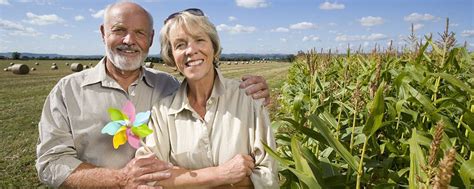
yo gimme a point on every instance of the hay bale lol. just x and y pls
(76, 67)
(20, 69)
(11, 63)
(54, 64)
(86, 67)
(54, 67)
(67, 64)
(149, 64)
(36, 63)
(33, 69)
(5, 69)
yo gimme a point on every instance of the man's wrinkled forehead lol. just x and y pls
(121, 11)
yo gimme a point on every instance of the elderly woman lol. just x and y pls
(209, 129)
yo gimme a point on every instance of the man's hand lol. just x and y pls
(236, 169)
(257, 87)
(141, 170)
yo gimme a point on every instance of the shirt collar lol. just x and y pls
(99, 74)
(181, 102)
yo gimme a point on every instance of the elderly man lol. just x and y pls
(72, 151)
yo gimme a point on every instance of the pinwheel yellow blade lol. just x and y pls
(120, 137)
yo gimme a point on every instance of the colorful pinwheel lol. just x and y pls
(125, 126)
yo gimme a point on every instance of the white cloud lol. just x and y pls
(236, 29)
(417, 17)
(232, 18)
(416, 27)
(98, 14)
(303, 26)
(17, 29)
(65, 36)
(251, 3)
(39, 2)
(280, 29)
(4, 2)
(331, 6)
(467, 33)
(345, 38)
(79, 18)
(371, 37)
(42, 20)
(284, 40)
(332, 24)
(310, 38)
(371, 21)
(376, 37)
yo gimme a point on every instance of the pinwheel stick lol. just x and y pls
(146, 147)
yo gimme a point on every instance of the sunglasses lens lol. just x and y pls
(193, 11)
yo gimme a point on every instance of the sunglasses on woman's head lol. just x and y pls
(193, 11)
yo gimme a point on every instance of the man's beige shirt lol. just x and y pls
(75, 112)
(234, 124)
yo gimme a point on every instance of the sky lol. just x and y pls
(71, 27)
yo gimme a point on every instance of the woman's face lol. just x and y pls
(192, 53)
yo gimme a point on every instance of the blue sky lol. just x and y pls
(245, 26)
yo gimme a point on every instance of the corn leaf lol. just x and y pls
(468, 118)
(327, 134)
(455, 81)
(467, 173)
(417, 159)
(283, 162)
(308, 132)
(374, 121)
(303, 170)
(329, 119)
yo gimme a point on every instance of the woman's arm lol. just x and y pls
(234, 171)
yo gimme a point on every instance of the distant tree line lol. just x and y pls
(155, 59)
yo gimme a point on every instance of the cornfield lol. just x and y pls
(379, 120)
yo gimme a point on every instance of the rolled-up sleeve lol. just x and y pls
(265, 174)
(55, 151)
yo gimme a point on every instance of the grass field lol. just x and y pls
(22, 98)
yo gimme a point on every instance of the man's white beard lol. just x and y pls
(124, 63)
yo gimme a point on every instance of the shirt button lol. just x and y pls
(209, 102)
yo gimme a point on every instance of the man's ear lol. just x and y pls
(151, 37)
(102, 32)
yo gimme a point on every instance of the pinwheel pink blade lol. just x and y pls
(133, 140)
(129, 110)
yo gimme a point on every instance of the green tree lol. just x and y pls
(16, 55)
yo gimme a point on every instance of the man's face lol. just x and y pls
(127, 34)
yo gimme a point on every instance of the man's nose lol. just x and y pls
(129, 39)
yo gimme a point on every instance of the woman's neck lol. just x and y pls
(199, 92)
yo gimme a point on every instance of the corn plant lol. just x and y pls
(378, 120)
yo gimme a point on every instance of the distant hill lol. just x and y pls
(52, 56)
(223, 56)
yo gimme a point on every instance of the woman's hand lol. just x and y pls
(236, 169)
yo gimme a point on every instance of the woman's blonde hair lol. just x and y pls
(192, 24)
